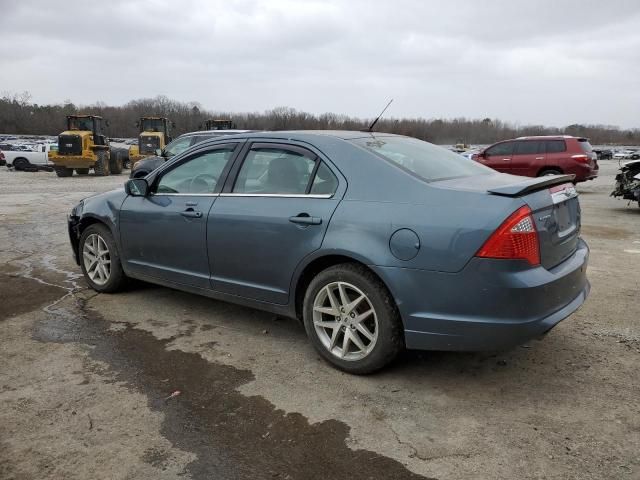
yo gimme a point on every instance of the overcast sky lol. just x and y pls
(544, 62)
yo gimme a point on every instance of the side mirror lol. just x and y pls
(158, 152)
(106, 122)
(137, 187)
(173, 124)
(137, 124)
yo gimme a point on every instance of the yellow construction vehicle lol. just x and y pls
(218, 124)
(83, 146)
(154, 135)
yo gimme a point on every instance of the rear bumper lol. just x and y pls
(489, 305)
(584, 172)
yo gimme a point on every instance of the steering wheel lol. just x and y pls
(203, 183)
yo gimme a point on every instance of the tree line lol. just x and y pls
(18, 115)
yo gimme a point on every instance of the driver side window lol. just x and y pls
(199, 174)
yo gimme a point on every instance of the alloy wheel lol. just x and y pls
(97, 259)
(345, 321)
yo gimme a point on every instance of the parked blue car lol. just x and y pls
(377, 242)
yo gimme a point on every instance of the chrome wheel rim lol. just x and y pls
(97, 259)
(345, 321)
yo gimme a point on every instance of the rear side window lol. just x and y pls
(556, 146)
(585, 145)
(505, 148)
(325, 182)
(529, 147)
(422, 159)
(274, 171)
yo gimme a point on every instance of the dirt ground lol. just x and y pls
(86, 380)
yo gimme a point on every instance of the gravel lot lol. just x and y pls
(85, 378)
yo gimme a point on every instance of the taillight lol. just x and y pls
(516, 238)
(581, 158)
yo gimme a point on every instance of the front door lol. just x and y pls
(275, 214)
(498, 157)
(164, 235)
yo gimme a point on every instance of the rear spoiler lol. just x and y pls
(531, 185)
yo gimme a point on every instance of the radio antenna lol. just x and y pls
(373, 124)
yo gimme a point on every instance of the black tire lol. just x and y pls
(115, 162)
(116, 279)
(82, 171)
(63, 171)
(390, 338)
(549, 171)
(21, 164)
(101, 168)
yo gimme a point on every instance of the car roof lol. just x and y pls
(546, 137)
(295, 134)
(215, 132)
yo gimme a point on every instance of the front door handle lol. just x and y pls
(191, 214)
(305, 219)
(506, 159)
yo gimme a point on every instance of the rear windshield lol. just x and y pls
(585, 145)
(424, 160)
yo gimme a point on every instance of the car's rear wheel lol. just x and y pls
(549, 171)
(352, 320)
(100, 260)
(21, 164)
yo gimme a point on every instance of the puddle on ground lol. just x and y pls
(21, 295)
(233, 436)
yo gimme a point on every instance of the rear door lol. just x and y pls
(528, 158)
(556, 154)
(273, 212)
(498, 157)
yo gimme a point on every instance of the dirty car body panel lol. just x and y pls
(420, 236)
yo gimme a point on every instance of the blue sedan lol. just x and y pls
(376, 242)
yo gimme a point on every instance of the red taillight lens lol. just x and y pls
(581, 158)
(516, 238)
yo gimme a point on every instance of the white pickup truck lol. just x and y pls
(21, 160)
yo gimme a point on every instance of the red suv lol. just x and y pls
(544, 155)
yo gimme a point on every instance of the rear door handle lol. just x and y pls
(305, 219)
(506, 159)
(191, 214)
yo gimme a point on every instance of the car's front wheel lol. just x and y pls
(100, 260)
(351, 319)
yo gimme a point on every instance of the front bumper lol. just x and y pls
(489, 305)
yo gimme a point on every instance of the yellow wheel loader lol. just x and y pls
(82, 146)
(154, 135)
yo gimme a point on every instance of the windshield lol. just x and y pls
(152, 125)
(81, 124)
(422, 159)
(179, 145)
